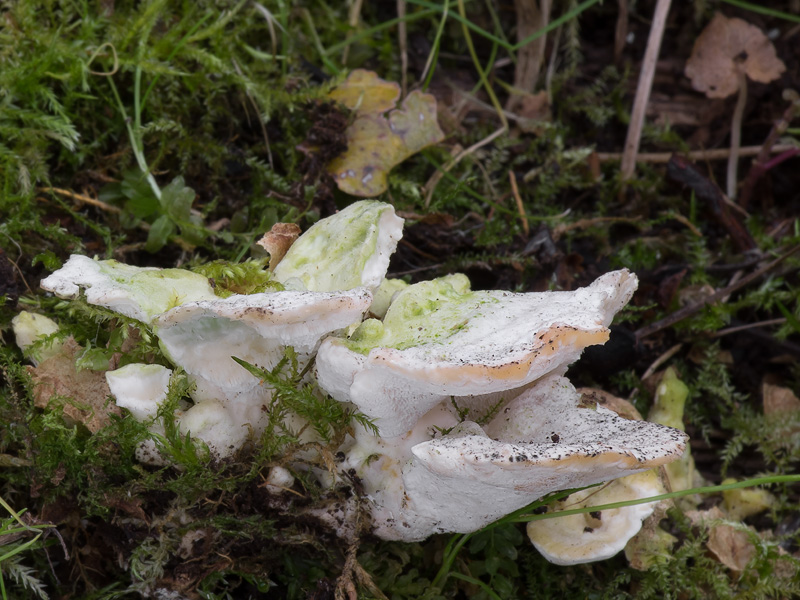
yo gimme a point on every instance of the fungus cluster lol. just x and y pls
(466, 389)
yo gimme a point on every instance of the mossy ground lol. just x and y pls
(225, 104)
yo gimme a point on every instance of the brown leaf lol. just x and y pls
(779, 399)
(729, 545)
(591, 397)
(725, 49)
(732, 547)
(86, 391)
(278, 240)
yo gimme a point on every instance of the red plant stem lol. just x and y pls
(780, 158)
(758, 169)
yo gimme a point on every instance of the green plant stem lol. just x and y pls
(385, 25)
(555, 24)
(430, 65)
(135, 141)
(477, 582)
(763, 10)
(323, 54)
(487, 86)
(523, 515)
(464, 21)
(457, 542)
(461, 18)
(711, 489)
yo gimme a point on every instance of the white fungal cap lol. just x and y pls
(137, 292)
(211, 423)
(439, 339)
(203, 336)
(30, 328)
(383, 296)
(463, 480)
(596, 535)
(347, 250)
(140, 388)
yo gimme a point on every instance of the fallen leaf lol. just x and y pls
(366, 93)
(86, 391)
(376, 144)
(729, 545)
(726, 48)
(779, 399)
(278, 240)
(591, 397)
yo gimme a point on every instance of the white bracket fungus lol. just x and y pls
(340, 260)
(140, 293)
(475, 417)
(424, 482)
(439, 339)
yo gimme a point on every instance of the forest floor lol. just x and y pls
(167, 134)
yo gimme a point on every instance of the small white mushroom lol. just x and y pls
(279, 480)
(30, 328)
(209, 422)
(596, 535)
(140, 388)
(439, 339)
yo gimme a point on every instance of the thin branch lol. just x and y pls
(520, 206)
(643, 89)
(696, 155)
(687, 311)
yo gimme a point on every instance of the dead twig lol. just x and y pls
(436, 177)
(697, 155)
(352, 19)
(621, 30)
(686, 172)
(738, 328)
(560, 230)
(687, 311)
(83, 199)
(520, 207)
(531, 17)
(661, 360)
(643, 89)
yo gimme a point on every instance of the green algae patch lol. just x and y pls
(347, 250)
(422, 313)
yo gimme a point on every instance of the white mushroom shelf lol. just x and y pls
(467, 389)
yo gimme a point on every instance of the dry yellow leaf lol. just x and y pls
(376, 144)
(364, 92)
